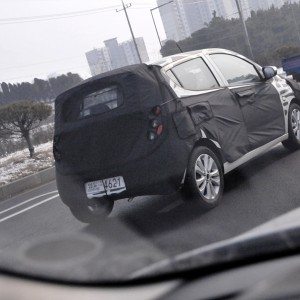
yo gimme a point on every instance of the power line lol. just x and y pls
(71, 14)
(40, 18)
(56, 15)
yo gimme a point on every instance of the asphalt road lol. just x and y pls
(162, 226)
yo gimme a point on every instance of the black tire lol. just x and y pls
(293, 143)
(191, 188)
(72, 193)
(93, 211)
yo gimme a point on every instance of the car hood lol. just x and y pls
(275, 236)
(83, 258)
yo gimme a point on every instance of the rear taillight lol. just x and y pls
(155, 123)
(159, 129)
(151, 135)
(156, 111)
(156, 126)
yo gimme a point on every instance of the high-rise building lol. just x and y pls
(130, 51)
(183, 17)
(174, 19)
(98, 60)
(115, 55)
(278, 3)
(184, 23)
(219, 7)
(231, 10)
(198, 13)
(142, 49)
(266, 4)
(258, 4)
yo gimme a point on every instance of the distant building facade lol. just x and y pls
(266, 4)
(231, 10)
(174, 19)
(115, 55)
(181, 18)
(253, 5)
(220, 7)
(98, 60)
(198, 13)
(130, 51)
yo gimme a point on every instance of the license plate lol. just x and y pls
(109, 186)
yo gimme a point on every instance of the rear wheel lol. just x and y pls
(205, 180)
(293, 142)
(94, 211)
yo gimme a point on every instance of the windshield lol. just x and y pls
(145, 138)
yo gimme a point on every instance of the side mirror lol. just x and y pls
(269, 72)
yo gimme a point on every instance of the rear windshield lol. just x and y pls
(101, 101)
(96, 102)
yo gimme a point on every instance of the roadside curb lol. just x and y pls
(31, 181)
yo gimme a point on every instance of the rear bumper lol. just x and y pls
(160, 173)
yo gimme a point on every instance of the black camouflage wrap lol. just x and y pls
(295, 85)
(239, 120)
(115, 143)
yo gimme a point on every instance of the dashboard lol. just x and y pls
(272, 279)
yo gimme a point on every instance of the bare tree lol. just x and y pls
(21, 118)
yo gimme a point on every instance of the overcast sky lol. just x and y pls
(52, 47)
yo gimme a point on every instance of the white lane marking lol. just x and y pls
(29, 200)
(28, 208)
(170, 207)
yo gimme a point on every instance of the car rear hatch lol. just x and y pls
(104, 122)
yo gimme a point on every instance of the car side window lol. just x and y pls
(235, 70)
(172, 77)
(195, 75)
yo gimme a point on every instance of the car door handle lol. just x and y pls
(250, 100)
(244, 94)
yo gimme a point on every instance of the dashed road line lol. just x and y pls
(24, 202)
(28, 208)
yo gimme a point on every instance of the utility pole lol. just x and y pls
(151, 11)
(238, 4)
(128, 21)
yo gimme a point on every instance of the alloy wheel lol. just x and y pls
(296, 122)
(207, 177)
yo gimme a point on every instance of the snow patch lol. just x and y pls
(18, 164)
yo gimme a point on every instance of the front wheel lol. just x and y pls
(204, 179)
(293, 142)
